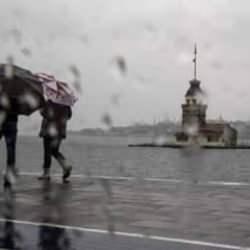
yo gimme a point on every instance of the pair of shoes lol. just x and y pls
(66, 174)
(44, 177)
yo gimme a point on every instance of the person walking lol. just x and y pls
(8, 130)
(53, 131)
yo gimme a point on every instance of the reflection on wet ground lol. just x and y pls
(92, 212)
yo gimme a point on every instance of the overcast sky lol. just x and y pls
(134, 56)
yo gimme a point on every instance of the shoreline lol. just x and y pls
(175, 146)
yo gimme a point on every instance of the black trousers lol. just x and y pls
(10, 140)
(51, 148)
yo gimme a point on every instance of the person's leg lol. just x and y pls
(55, 147)
(11, 171)
(46, 159)
(10, 140)
(56, 143)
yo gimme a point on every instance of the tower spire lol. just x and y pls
(195, 61)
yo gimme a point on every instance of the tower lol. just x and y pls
(194, 110)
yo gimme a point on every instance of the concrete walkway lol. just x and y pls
(108, 213)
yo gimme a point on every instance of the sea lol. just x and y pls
(111, 156)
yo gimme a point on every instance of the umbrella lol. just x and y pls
(56, 91)
(20, 84)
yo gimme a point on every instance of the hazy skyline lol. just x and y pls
(134, 56)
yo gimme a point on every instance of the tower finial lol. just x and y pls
(195, 61)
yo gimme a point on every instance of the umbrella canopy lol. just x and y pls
(56, 91)
(22, 86)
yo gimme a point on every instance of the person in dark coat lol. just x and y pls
(53, 131)
(8, 130)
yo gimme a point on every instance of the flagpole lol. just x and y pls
(195, 61)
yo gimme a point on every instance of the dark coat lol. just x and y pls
(54, 123)
(9, 117)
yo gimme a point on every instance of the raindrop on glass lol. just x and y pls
(26, 52)
(192, 128)
(75, 71)
(201, 97)
(107, 120)
(52, 130)
(9, 69)
(4, 101)
(30, 100)
(115, 99)
(77, 77)
(16, 34)
(84, 39)
(118, 67)
(160, 140)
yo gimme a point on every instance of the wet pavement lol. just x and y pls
(102, 213)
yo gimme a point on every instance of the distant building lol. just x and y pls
(195, 127)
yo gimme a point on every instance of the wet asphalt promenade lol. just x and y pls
(102, 213)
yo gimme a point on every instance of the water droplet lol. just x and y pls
(77, 77)
(115, 99)
(150, 27)
(29, 99)
(107, 120)
(9, 69)
(160, 140)
(16, 34)
(201, 97)
(26, 52)
(84, 39)
(118, 68)
(75, 71)
(52, 130)
(192, 128)
(121, 63)
(216, 65)
(106, 187)
(4, 101)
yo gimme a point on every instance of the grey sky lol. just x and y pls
(154, 37)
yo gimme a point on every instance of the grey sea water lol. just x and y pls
(110, 156)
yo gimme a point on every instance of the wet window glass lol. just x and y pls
(124, 124)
